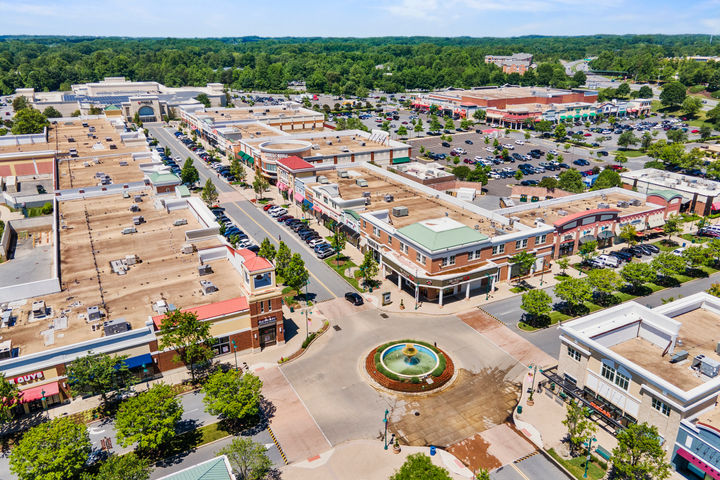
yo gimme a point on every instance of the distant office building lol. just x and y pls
(515, 63)
(699, 195)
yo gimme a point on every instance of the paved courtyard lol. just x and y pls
(345, 406)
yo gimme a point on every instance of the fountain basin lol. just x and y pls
(422, 363)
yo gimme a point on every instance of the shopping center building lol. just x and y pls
(630, 364)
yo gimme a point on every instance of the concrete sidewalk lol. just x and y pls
(368, 460)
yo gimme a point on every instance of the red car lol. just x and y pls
(268, 207)
(616, 167)
(588, 135)
(695, 131)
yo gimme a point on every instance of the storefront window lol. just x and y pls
(222, 345)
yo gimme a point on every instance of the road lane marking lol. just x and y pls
(519, 471)
(271, 237)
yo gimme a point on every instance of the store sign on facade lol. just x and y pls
(30, 377)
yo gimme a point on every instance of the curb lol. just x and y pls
(277, 444)
(302, 351)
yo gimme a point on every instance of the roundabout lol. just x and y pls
(409, 366)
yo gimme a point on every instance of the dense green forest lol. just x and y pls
(337, 65)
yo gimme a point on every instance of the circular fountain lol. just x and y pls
(409, 360)
(409, 366)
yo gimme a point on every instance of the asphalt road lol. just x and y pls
(325, 284)
(536, 467)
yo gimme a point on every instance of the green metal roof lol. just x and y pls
(400, 160)
(666, 194)
(214, 469)
(353, 214)
(434, 240)
(164, 178)
(183, 191)
(111, 107)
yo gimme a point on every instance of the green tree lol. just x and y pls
(571, 181)
(522, 261)
(604, 282)
(402, 131)
(705, 132)
(479, 114)
(20, 103)
(338, 241)
(204, 99)
(209, 192)
(51, 112)
(259, 185)
(672, 225)
(563, 263)
(434, 124)
(645, 92)
(96, 110)
(608, 178)
(537, 304)
(418, 466)
(54, 450)
(560, 132)
(579, 78)
(282, 259)
(637, 274)
(623, 90)
(267, 249)
(627, 138)
(645, 141)
(667, 264)
(639, 454)
(714, 289)
(232, 396)
(629, 234)
(691, 106)
(673, 93)
(123, 467)
(588, 249)
(580, 426)
(418, 126)
(296, 275)
(8, 392)
(695, 255)
(149, 419)
(188, 336)
(544, 126)
(449, 124)
(189, 174)
(548, 182)
(28, 120)
(248, 459)
(98, 374)
(237, 170)
(676, 135)
(574, 292)
(368, 268)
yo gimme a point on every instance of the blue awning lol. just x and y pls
(140, 360)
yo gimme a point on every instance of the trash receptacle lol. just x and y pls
(519, 409)
(432, 450)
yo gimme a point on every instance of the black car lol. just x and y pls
(652, 248)
(469, 142)
(581, 162)
(354, 298)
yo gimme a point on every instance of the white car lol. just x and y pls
(679, 251)
(478, 158)
(278, 213)
(489, 149)
(519, 142)
(553, 152)
(315, 242)
(608, 261)
(509, 146)
(461, 151)
(493, 174)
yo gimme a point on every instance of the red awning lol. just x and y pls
(299, 198)
(317, 209)
(705, 467)
(716, 206)
(36, 393)
(282, 187)
(658, 230)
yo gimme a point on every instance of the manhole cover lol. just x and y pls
(337, 328)
(384, 315)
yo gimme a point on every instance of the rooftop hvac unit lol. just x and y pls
(204, 270)
(388, 198)
(623, 204)
(93, 313)
(707, 366)
(114, 327)
(679, 356)
(323, 179)
(345, 149)
(315, 146)
(343, 174)
(362, 144)
(188, 248)
(636, 203)
(400, 211)
(134, 208)
(366, 194)
(603, 205)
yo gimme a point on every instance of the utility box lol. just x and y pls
(679, 356)
(188, 248)
(129, 230)
(131, 259)
(138, 220)
(138, 199)
(361, 182)
(204, 270)
(93, 314)
(182, 221)
(400, 211)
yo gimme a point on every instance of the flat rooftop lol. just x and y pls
(31, 257)
(420, 206)
(672, 180)
(79, 172)
(327, 143)
(258, 113)
(504, 92)
(699, 334)
(565, 206)
(88, 279)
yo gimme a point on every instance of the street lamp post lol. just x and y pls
(385, 421)
(307, 307)
(234, 347)
(44, 400)
(147, 377)
(587, 459)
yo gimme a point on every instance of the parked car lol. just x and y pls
(354, 298)
(581, 162)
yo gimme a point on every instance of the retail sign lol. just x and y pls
(29, 378)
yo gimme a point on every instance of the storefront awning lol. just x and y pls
(592, 114)
(299, 198)
(654, 222)
(605, 234)
(306, 203)
(400, 160)
(282, 187)
(139, 361)
(698, 463)
(317, 209)
(36, 393)
(586, 239)
(715, 206)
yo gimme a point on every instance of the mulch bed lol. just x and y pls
(409, 386)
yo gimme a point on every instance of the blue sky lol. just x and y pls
(360, 18)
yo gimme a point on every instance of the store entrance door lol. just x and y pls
(267, 336)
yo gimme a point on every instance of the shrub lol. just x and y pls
(309, 339)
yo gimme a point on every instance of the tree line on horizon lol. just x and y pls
(341, 66)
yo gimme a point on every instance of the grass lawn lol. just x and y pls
(345, 263)
(576, 466)
(708, 270)
(195, 438)
(630, 153)
(694, 238)
(663, 248)
(654, 287)
(624, 297)
(683, 278)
